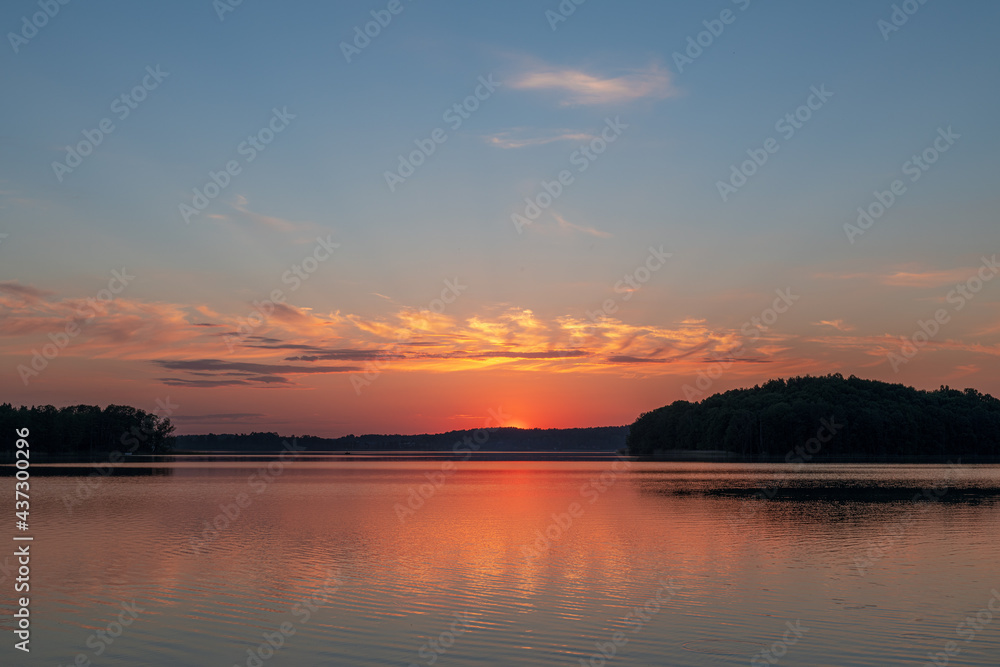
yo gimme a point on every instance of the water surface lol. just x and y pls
(508, 563)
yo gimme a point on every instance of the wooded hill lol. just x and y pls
(876, 421)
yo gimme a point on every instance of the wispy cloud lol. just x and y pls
(25, 292)
(927, 278)
(577, 87)
(523, 137)
(906, 276)
(241, 206)
(568, 226)
(296, 347)
(839, 325)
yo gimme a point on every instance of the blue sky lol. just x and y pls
(323, 176)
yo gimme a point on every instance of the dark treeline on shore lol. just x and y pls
(597, 439)
(814, 418)
(871, 421)
(83, 432)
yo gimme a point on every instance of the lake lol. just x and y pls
(361, 561)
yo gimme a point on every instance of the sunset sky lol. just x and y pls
(637, 275)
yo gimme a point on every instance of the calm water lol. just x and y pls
(330, 552)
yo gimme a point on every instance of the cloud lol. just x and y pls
(927, 278)
(263, 381)
(577, 87)
(25, 292)
(240, 205)
(295, 346)
(219, 367)
(839, 325)
(565, 225)
(523, 137)
(907, 277)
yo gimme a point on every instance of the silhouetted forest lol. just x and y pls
(602, 438)
(86, 431)
(871, 420)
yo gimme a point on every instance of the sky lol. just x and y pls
(413, 216)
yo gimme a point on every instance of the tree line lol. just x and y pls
(86, 431)
(879, 421)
